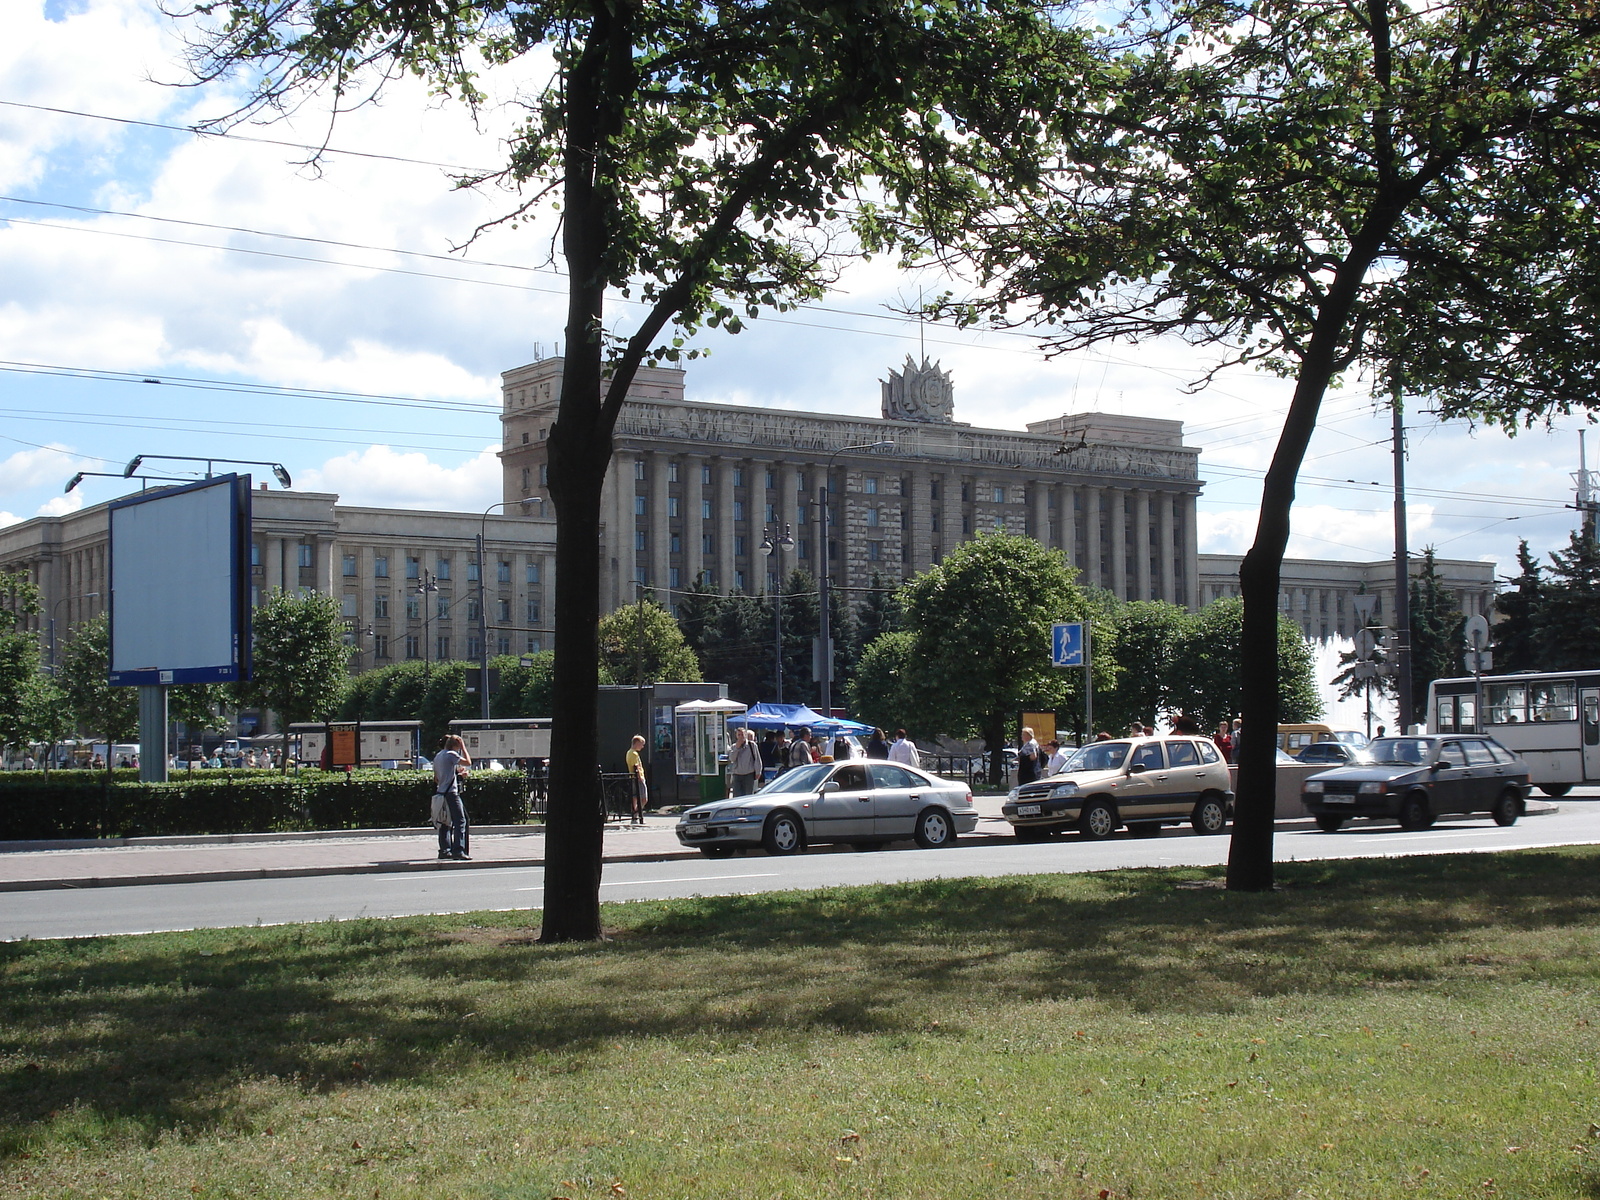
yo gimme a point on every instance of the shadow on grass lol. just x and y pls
(163, 1033)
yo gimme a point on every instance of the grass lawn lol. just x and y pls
(1415, 1027)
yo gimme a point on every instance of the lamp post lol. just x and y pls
(771, 541)
(53, 608)
(426, 586)
(483, 611)
(144, 480)
(825, 649)
(279, 471)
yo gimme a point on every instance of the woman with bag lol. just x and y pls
(449, 769)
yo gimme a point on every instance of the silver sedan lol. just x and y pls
(866, 803)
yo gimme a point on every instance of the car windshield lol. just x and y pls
(800, 779)
(1410, 751)
(1098, 756)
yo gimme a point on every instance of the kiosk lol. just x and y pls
(703, 743)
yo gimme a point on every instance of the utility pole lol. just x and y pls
(1402, 573)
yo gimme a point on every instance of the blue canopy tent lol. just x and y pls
(795, 716)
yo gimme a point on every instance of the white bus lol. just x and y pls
(1550, 718)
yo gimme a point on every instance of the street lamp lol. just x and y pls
(279, 471)
(426, 586)
(483, 612)
(53, 608)
(770, 541)
(825, 651)
(144, 480)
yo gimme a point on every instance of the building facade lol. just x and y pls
(408, 582)
(696, 490)
(1317, 595)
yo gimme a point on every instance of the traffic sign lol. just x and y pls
(1477, 631)
(1366, 643)
(1066, 645)
(1479, 660)
(1363, 605)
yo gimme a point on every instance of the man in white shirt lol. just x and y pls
(904, 750)
(1058, 758)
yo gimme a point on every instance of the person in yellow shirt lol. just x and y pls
(641, 789)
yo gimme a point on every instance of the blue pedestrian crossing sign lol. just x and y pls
(1066, 645)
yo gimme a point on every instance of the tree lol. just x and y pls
(802, 623)
(1208, 677)
(702, 156)
(1318, 186)
(738, 648)
(641, 643)
(1571, 616)
(1518, 637)
(1148, 633)
(882, 692)
(980, 638)
(298, 658)
(22, 702)
(1438, 630)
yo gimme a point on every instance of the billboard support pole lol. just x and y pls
(153, 748)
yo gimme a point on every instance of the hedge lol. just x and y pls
(78, 804)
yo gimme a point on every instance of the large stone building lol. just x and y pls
(407, 581)
(696, 489)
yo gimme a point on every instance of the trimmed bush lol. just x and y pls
(78, 804)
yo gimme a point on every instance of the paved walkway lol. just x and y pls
(36, 866)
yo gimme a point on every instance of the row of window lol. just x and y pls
(442, 567)
(350, 607)
(411, 646)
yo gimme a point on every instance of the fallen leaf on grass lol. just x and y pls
(1513, 1149)
(851, 1136)
(1327, 1145)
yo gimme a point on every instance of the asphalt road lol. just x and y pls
(171, 906)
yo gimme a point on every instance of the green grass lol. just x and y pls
(1417, 1027)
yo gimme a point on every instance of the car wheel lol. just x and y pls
(1210, 815)
(1329, 822)
(1144, 829)
(717, 851)
(1414, 812)
(1555, 790)
(783, 834)
(1097, 820)
(934, 829)
(1508, 808)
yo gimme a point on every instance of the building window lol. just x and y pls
(674, 578)
(533, 572)
(771, 479)
(472, 608)
(502, 572)
(413, 646)
(441, 647)
(677, 544)
(738, 546)
(380, 645)
(527, 480)
(705, 475)
(413, 567)
(639, 540)
(255, 554)
(738, 477)
(474, 646)
(772, 514)
(905, 519)
(380, 605)
(638, 506)
(347, 605)
(672, 472)
(672, 506)
(444, 569)
(533, 612)
(738, 581)
(705, 544)
(933, 493)
(966, 525)
(474, 571)
(413, 608)
(738, 510)
(800, 547)
(801, 514)
(348, 566)
(502, 610)
(872, 518)
(874, 551)
(638, 468)
(305, 555)
(705, 510)
(999, 495)
(966, 493)
(442, 607)
(503, 643)
(380, 566)
(869, 485)
(933, 521)
(535, 644)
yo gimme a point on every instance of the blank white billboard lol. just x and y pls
(180, 578)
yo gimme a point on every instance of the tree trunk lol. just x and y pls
(994, 742)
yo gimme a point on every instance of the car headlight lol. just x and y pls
(1372, 788)
(1314, 786)
(1063, 790)
(1012, 795)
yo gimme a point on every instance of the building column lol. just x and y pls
(1141, 544)
(622, 531)
(724, 517)
(1191, 555)
(921, 531)
(658, 538)
(1167, 552)
(1039, 505)
(1118, 533)
(694, 526)
(783, 506)
(1069, 525)
(1091, 542)
(272, 551)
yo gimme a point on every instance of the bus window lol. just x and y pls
(1466, 714)
(1553, 701)
(1591, 721)
(1507, 703)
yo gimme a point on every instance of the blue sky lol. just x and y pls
(251, 334)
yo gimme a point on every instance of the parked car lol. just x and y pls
(866, 803)
(1416, 779)
(1335, 754)
(1143, 783)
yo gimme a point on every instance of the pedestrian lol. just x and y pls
(1185, 725)
(1102, 736)
(1058, 757)
(904, 750)
(1027, 757)
(640, 789)
(1136, 729)
(800, 750)
(744, 763)
(1223, 737)
(1381, 732)
(841, 748)
(449, 768)
(877, 745)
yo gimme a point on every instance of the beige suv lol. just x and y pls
(1143, 783)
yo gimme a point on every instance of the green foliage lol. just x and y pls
(882, 693)
(641, 643)
(732, 636)
(298, 658)
(1148, 634)
(1570, 615)
(1518, 637)
(25, 700)
(112, 713)
(1207, 681)
(1437, 637)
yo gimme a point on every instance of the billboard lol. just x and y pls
(180, 584)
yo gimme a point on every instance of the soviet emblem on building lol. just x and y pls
(916, 393)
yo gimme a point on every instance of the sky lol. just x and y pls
(163, 293)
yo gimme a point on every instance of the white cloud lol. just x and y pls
(34, 467)
(383, 477)
(7, 518)
(60, 506)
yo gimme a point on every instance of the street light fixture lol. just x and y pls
(483, 611)
(279, 471)
(771, 541)
(825, 639)
(53, 608)
(144, 480)
(426, 586)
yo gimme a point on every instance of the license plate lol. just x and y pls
(1027, 810)
(693, 830)
(1326, 799)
